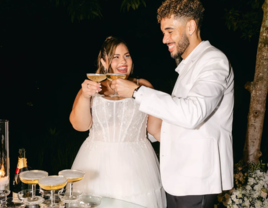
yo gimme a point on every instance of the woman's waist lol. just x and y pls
(125, 146)
(110, 135)
(125, 141)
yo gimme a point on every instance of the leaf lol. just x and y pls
(244, 16)
(79, 9)
(134, 4)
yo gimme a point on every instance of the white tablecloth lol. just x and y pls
(115, 203)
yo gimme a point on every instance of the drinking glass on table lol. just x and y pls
(52, 183)
(111, 77)
(96, 78)
(72, 177)
(31, 177)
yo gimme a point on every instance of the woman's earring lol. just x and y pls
(105, 70)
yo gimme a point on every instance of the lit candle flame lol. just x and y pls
(2, 171)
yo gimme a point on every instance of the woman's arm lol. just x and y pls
(154, 127)
(154, 124)
(80, 116)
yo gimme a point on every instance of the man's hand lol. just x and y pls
(124, 88)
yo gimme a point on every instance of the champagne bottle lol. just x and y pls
(21, 166)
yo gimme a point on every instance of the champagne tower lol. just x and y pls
(4, 160)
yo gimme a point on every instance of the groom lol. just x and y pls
(196, 158)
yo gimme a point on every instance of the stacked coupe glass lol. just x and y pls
(58, 188)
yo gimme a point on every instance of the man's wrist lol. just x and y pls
(135, 91)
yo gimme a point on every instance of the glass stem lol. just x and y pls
(33, 191)
(71, 189)
(52, 197)
(97, 91)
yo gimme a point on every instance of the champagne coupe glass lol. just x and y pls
(111, 77)
(72, 176)
(52, 183)
(10, 202)
(31, 177)
(96, 78)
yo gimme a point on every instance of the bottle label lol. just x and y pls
(22, 163)
(15, 197)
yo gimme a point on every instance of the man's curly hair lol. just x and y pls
(190, 9)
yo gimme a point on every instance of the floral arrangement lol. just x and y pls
(251, 188)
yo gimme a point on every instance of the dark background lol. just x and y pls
(44, 58)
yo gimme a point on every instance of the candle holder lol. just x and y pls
(4, 161)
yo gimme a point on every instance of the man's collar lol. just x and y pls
(192, 56)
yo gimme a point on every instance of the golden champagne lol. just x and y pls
(29, 181)
(53, 187)
(72, 175)
(116, 76)
(52, 183)
(72, 180)
(96, 77)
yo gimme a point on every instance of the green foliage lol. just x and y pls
(244, 16)
(250, 188)
(241, 171)
(134, 4)
(81, 9)
(57, 150)
(90, 9)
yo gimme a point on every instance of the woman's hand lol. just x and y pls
(90, 88)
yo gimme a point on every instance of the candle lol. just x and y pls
(4, 182)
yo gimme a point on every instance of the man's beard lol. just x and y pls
(181, 46)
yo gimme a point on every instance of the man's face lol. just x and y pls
(174, 30)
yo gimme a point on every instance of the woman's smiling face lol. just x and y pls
(122, 61)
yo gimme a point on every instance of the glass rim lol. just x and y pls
(92, 195)
(40, 181)
(4, 120)
(21, 175)
(94, 74)
(76, 170)
(73, 170)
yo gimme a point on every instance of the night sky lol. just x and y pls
(44, 58)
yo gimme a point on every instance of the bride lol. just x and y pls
(117, 157)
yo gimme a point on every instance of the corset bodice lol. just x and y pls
(117, 120)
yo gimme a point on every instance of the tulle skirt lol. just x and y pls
(123, 170)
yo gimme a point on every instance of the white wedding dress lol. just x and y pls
(118, 159)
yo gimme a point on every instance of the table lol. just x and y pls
(116, 203)
(105, 203)
(112, 203)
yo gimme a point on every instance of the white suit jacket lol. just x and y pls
(196, 155)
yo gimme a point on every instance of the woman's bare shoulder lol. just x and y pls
(143, 82)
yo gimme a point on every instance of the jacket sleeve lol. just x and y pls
(202, 100)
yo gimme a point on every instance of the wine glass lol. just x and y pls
(96, 78)
(52, 183)
(12, 203)
(31, 177)
(111, 77)
(25, 197)
(72, 177)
